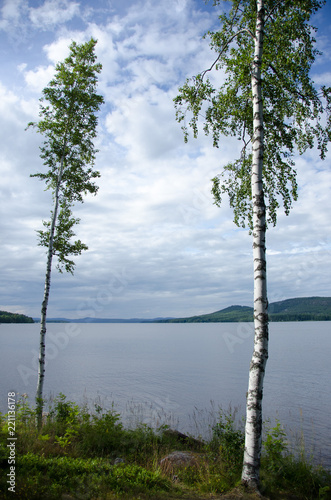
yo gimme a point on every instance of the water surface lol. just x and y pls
(170, 373)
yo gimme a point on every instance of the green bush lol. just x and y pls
(101, 435)
(275, 447)
(228, 443)
(281, 471)
(74, 451)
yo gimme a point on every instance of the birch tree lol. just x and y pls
(68, 123)
(265, 49)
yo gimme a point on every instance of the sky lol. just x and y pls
(158, 246)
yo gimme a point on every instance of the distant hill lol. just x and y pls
(8, 317)
(228, 315)
(301, 309)
(102, 320)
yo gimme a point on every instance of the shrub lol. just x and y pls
(282, 472)
(228, 443)
(275, 447)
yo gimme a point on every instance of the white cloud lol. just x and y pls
(12, 12)
(53, 12)
(7, 101)
(157, 244)
(59, 49)
(144, 127)
(323, 79)
(22, 16)
(21, 67)
(39, 78)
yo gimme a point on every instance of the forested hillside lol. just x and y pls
(300, 309)
(8, 317)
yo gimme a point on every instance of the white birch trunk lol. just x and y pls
(41, 365)
(253, 429)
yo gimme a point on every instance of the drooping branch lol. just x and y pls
(270, 13)
(292, 91)
(203, 74)
(225, 48)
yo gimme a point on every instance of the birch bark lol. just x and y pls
(297, 117)
(44, 305)
(68, 122)
(253, 429)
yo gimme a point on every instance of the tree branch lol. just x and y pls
(225, 48)
(294, 91)
(272, 10)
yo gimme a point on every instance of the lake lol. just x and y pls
(179, 374)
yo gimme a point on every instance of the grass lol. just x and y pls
(84, 454)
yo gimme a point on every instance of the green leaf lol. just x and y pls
(296, 113)
(68, 124)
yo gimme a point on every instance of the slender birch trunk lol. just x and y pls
(68, 122)
(300, 120)
(44, 305)
(253, 430)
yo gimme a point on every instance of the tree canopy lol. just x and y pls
(68, 124)
(265, 49)
(296, 112)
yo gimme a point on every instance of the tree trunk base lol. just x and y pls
(243, 492)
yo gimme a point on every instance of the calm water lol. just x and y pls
(170, 373)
